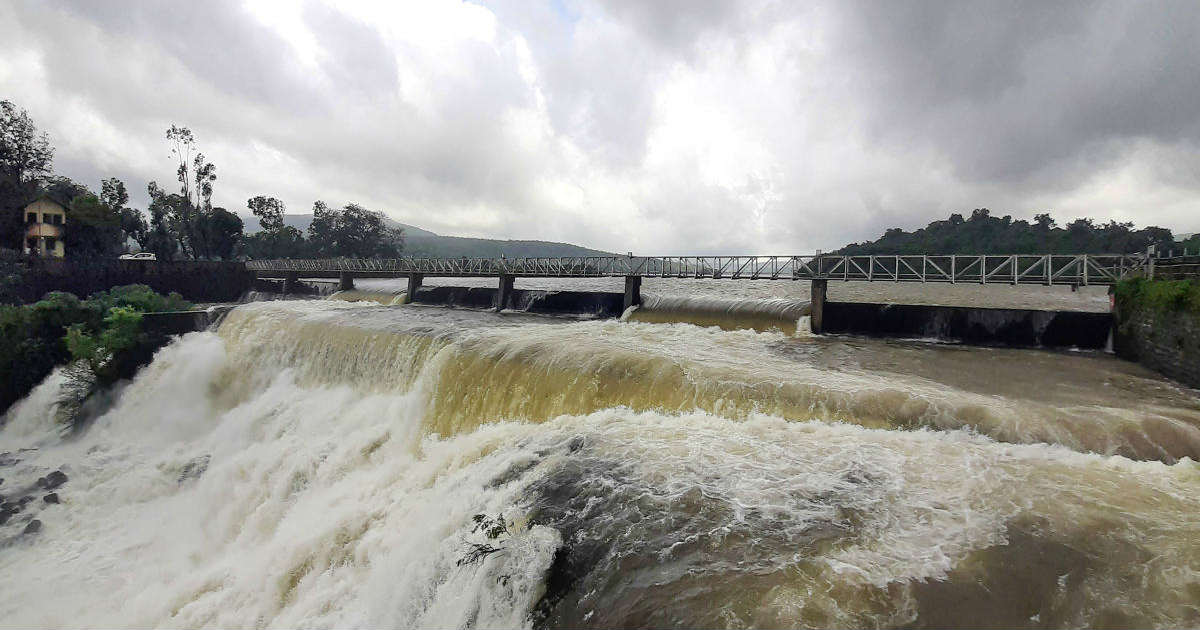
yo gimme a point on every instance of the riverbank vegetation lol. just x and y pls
(983, 233)
(101, 339)
(1136, 294)
(181, 224)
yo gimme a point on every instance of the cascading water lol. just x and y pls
(321, 464)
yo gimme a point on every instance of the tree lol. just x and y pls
(222, 230)
(268, 211)
(275, 240)
(93, 229)
(160, 238)
(352, 232)
(25, 158)
(133, 223)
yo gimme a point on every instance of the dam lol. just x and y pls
(701, 460)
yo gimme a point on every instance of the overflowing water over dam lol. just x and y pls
(701, 461)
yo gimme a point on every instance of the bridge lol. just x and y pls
(1015, 269)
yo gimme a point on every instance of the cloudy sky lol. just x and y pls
(667, 127)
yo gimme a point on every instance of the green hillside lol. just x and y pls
(426, 244)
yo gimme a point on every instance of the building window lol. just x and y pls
(56, 219)
(31, 218)
(50, 243)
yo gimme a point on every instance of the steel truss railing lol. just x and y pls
(1050, 269)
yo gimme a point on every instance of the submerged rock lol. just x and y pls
(33, 527)
(51, 498)
(53, 480)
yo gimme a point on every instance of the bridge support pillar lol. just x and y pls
(414, 283)
(345, 281)
(505, 293)
(633, 291)
(289, 282)
(816, 314)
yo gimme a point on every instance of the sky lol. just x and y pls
(662, 128)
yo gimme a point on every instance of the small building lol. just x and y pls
(44, 220)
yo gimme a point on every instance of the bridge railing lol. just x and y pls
(1082, 269)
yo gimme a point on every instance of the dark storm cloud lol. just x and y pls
(671, 126)
(1014, 90)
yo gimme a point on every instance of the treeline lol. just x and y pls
(177, 225)
(983, 233)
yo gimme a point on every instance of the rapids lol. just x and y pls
(319, 463)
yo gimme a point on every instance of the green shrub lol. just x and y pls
(1160, 295)
(101, 335)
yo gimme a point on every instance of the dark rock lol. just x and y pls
(55, 479)
(41, 482)
(33, 527)
(194, 468)
(25, 500)
(51, 498)
(10, 507)
(7, 459)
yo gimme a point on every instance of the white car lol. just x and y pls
(138, 256)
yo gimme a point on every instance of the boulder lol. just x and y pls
(51, 498)
(53, 480)
(33, 527)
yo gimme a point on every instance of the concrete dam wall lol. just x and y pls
(982, 326)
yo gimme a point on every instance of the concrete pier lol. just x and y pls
(633, 291)
(817, 306)
(414, 283)
(346, 281)
(289, 282)
(504, 295)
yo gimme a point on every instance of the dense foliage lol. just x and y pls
(352, 232)
(1160, 295)
(102, 333)
(983, 233)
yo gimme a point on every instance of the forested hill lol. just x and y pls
(426, 244)
(983, 233)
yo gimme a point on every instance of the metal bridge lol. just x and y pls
(1050, 269)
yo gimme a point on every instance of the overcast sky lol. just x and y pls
(664, 127)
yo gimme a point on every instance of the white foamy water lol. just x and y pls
(318, 464)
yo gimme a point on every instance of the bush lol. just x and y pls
(102, 336)
(1160, 295)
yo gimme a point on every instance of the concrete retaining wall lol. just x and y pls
(200, 281)
(1165, 341)
(983, 326)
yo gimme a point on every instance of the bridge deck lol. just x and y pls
(1082, 269)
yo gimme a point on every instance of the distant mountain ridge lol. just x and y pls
(425, 244)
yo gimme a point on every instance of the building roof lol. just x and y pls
(52, 198)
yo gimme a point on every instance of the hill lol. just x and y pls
(423, 243)
(983, 233)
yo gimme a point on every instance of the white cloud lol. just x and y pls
(657, 127)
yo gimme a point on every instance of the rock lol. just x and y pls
(10, 507)
(4, 516)
(33, 527)
(55, 479)
(41, 482)
(25, 500)
(51, 498)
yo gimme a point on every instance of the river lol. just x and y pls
(327, 463)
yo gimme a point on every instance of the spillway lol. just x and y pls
(326, 463)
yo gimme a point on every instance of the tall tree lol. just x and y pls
(353, 232)
(25, 159)
(133, 223)
(276, 239)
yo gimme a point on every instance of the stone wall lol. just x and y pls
(1165, 341)
(197, 281)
